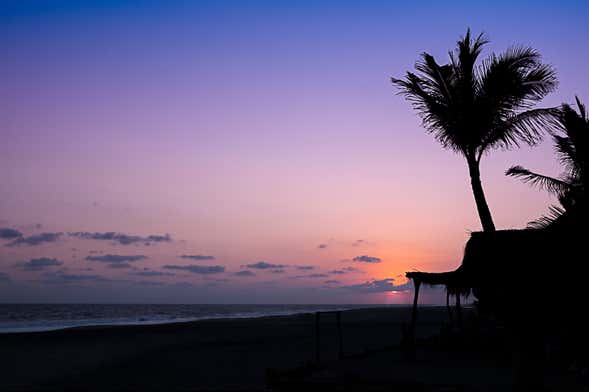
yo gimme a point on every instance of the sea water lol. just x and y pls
(46, 317)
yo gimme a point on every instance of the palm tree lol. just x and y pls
(473, 108)
(571, 143)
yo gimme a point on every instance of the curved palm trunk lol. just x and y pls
(479, 195)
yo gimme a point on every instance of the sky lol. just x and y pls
(247, 151)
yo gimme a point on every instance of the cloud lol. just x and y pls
(63, 278)
(149, 283)
(198, 269)
(159, 238)
(119, 265)
(7, 233)
(116, 258)
(358, 243)
(35, 239)
(305, 267)
(4, 278)
(344, 271)
(39, 264)
(216, 280)
(332, 281)
(264, 265)
(277, 271)
(322, 246)
(152, 273)
(312, 276)
(244, 273)
(197, 257)
(378, 286)
(366, 259)
(123, 239)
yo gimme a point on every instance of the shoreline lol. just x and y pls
(96, 323)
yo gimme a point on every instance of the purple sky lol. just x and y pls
(250, 132)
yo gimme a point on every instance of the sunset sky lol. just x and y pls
(247, 151)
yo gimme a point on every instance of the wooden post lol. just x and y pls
(317, 337)
(450, 317)
(338, 317)
(416, 283)
(458, 311)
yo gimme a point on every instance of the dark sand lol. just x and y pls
(235, 355)
(220, 354)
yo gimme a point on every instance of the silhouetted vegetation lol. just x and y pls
(473, 107)
(571, 142)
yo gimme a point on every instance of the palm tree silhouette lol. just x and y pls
(571, 142)
(473, 108)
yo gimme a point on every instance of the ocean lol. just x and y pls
(47, 317)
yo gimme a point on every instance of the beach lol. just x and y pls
(225, 354)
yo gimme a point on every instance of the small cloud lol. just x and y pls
(344, 271)
(123, 239)
(197, 257)
(149, 283)
(116, 258)
(198, 269)
(322, 246)
(158, 238)
(215, 282)
(305, 267)
(63, 278)
(366, 259)
(277, 271)
(332, 281)
(378, 286)
(244, 273)
(264, 265)
(119, 265)
(4, 278)
(39, 264)
(312, 276)
(7, 233)
(358, 243)
(35, 239)
(218, 280)
(152, 273)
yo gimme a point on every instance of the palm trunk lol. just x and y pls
(479, 195)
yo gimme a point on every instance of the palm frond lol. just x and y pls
(430, 94)
(524, 127)
(472, 108)
(515, 80)
(553, 185)
(567, 154)
(544, 221)
(572, 139)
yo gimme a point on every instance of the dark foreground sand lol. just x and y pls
(184, 356)
(235, 355)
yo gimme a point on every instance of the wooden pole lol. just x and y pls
(338, 317)
(458, 311)
(450, 317)
(317, 337)
(416, 283)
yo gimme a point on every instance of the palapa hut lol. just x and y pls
(522, 276)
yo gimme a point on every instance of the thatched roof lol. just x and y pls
(433, 278)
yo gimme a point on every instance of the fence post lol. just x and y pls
(317, 337)
(338, 316)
